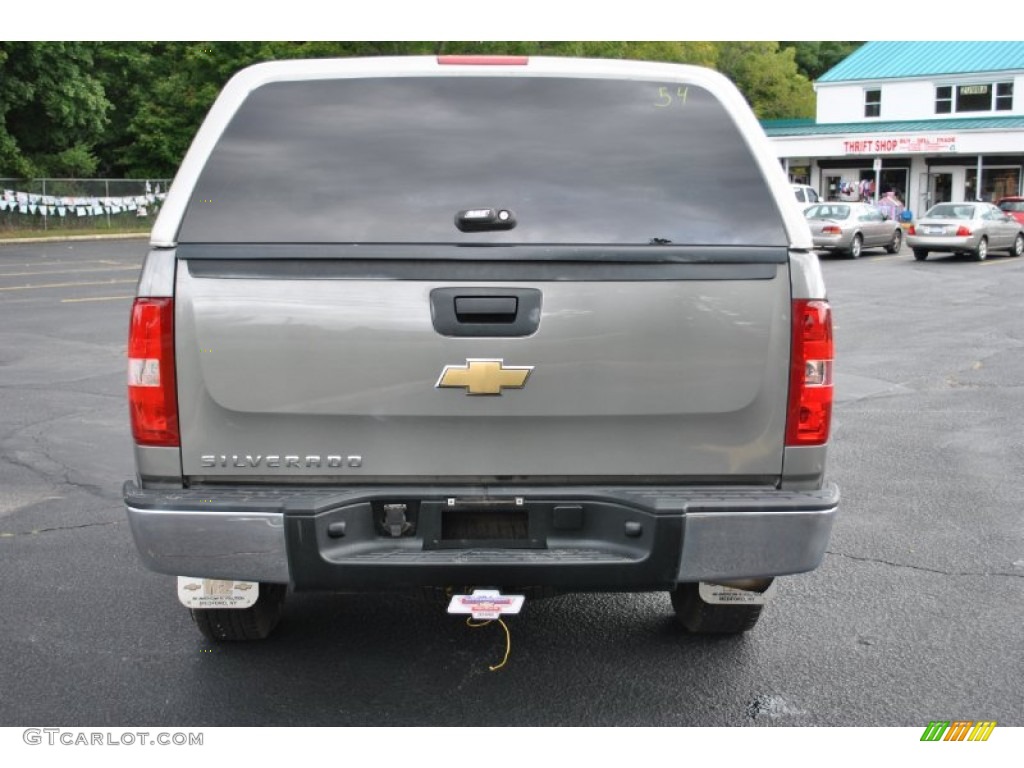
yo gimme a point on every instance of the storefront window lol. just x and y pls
(939, 186)
(894, 179)
(858, 184)
(800, 174)
(995, 183)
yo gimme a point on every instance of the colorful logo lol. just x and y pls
(958, 730)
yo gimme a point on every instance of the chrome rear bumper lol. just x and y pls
(584, 538)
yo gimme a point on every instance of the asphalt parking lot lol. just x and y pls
(914, 615)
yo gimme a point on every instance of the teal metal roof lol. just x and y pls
(882, 60)
(810, 128)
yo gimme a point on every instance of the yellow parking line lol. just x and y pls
(69, 271)
(990, 262)
(64, 285)
(61, 262)
(95, 298)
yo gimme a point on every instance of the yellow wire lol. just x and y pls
(508, 639)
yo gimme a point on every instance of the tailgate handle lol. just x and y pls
(473, 311)
(486, 309)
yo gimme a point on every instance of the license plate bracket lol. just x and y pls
(481, 524)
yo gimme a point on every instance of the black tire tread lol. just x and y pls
(856, 249)
(700, 618)
(243, 624)
(981, 253)
(1014, 249)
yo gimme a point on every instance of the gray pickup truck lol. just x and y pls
(530, 325)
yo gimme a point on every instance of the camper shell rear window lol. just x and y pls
(395, 159)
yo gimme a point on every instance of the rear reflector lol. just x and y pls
(152, 401)
(483, 60)
(810, 380)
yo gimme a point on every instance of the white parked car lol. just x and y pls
(805, 195)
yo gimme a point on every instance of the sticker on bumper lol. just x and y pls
(195, 592)
(718, 594)
(486, 604)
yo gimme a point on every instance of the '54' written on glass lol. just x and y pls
(667, 99)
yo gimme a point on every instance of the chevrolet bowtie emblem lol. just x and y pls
(484, 377)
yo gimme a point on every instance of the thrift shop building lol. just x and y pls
(934, 121)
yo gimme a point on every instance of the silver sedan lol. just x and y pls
(973, 228)
(851, 227)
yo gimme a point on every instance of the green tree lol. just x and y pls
(125, 70)
(53, 110)
(814, 59)
(182, 81)
(768, 77)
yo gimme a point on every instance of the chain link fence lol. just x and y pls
(79, 205)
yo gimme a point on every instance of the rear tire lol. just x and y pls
(235, 625)
(1018, 246)
(896, 243)
(920, 255)
(982, 251)
(856, 247)
(700, 618)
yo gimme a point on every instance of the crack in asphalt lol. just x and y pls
(90, 488)
(921, 567)
(65, 479)
(36, 531)
(895, 390)
(22, 428)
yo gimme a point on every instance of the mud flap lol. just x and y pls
(719, 594)
(195, 592)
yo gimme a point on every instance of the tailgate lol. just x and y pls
(287, 372)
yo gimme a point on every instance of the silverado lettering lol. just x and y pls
(274, 461)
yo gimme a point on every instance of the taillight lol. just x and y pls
(485, 60)
(963, 231)
(810, 378)
(831, 229)
(911, 230)
(152, 401)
